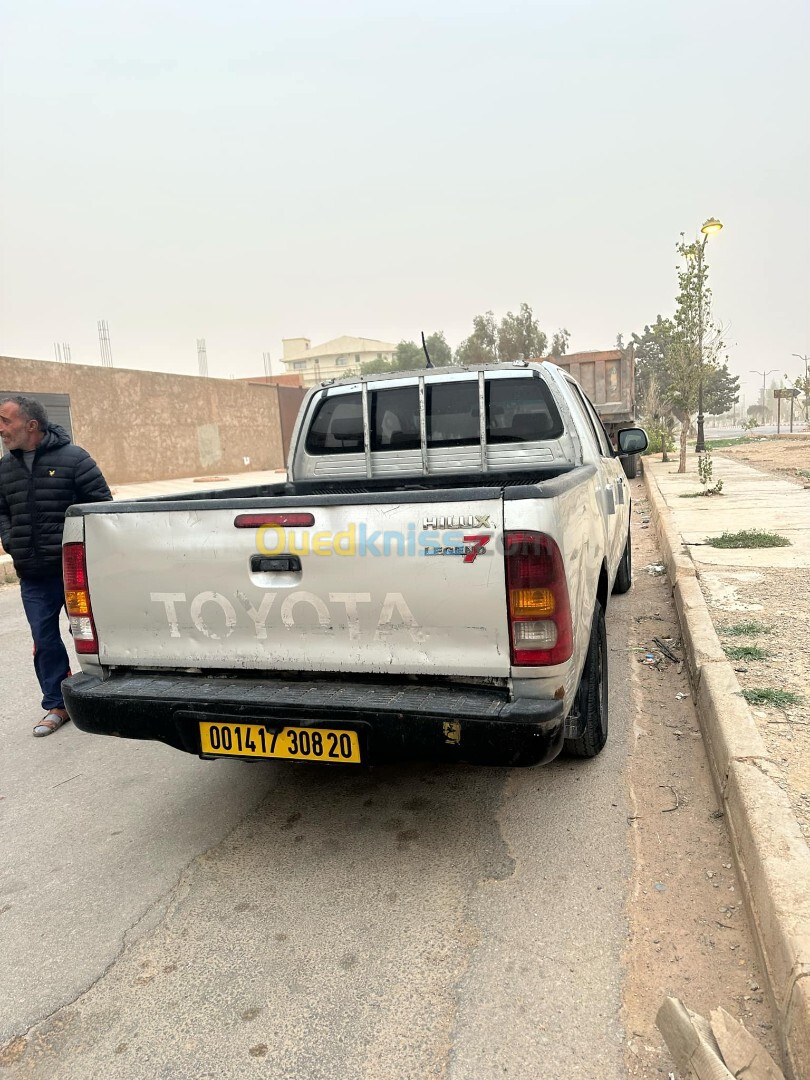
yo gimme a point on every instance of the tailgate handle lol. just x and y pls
(275, 564)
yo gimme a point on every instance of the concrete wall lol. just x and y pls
(145, 425)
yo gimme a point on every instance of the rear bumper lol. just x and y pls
(394, 723)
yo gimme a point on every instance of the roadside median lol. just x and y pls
(771, 854)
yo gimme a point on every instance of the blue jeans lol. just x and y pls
(43, 600)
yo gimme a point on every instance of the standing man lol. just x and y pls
(42, 476)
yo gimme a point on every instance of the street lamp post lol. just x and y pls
(764, 375)
(710, 226)
(805, 359)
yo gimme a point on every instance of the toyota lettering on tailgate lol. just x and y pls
(215, 616)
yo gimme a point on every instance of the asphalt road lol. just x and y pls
(219, 918)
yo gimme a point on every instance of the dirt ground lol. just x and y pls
(787, 457)
(688, 932)
(779, 599)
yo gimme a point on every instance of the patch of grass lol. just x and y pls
(766, 695)
(803, 472)
(748, 538)
(715, 444)
(746, 629)
(693, 495)
(745, 652)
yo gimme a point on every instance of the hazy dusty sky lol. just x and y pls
(249, 171)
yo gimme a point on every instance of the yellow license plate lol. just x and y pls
(296, 743)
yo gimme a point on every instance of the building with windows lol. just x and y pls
(334, 359)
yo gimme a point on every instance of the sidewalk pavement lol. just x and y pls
(170, 487)
(772, 856)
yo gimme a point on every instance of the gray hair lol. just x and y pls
(30, 408)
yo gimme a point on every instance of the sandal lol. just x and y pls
(50, 722)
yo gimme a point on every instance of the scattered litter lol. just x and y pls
(665, 649)
(678, 733)
(656, 569)
(669, 809)
(722, 1048)
(648, 659)
(680, 666)
(660, 887)
(681, 696)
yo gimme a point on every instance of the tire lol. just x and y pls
(630, 466)
(624, 575)
(592, 696)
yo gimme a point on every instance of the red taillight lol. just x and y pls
(77, 599)
(537, 598)
(256, 521)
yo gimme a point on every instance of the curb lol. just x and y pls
(770, 852)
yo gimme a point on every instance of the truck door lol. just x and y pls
(613, 491)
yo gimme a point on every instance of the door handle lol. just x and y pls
(274, 564)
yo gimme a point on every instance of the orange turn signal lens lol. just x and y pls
(77, 602)
(531, 603)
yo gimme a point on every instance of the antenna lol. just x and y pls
(66, 352)
(429, 362)
(266, 358)
(104, 343)
(202, 357)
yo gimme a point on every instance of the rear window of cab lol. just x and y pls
(518, 410)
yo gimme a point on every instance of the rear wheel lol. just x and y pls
(624, 575)
(591, 704)
(630, 466)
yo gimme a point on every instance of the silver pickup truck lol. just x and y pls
(431, 582)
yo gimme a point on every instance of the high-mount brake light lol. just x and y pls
(77, 598)
(288, 521)
(539, 608)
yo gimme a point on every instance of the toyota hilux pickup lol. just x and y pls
(430, 582)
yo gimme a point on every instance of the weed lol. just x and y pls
(746, 629)
(716, 490)
(766, 695)
(717, 444)
(745, 652)
(803, 472)
(705, 467)
(748, 538)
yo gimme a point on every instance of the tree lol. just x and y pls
(802, 384)
(441, 354)
(721, 390)
(520, 336)
(481, 347)
(408, 356)
(653, 353)
(658, 417)
(517, 336)
(559, 343)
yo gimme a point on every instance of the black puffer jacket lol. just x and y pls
(33, 505)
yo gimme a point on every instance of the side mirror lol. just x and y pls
(632, 440)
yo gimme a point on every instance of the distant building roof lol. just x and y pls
(337, 346)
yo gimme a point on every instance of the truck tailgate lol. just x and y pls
(380, 588)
